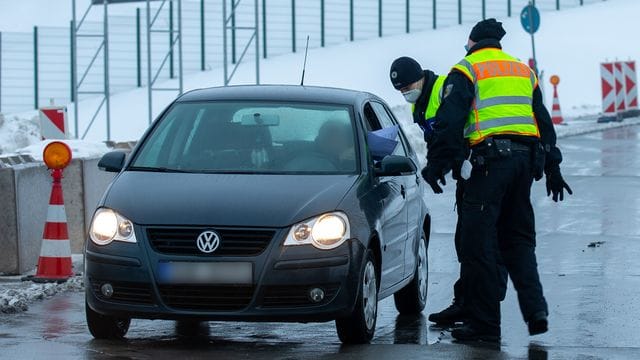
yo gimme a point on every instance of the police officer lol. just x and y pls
(424, 90)
(421, 88)
(494, 108)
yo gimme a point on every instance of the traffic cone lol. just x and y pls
(54, 264)
(556, 113)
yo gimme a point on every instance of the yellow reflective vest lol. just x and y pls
(504, 95)
(434, 100)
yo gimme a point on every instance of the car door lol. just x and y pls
(412, 199)
(390, 191)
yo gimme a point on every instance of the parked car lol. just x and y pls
(260, 203)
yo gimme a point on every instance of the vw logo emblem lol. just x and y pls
(208, 241)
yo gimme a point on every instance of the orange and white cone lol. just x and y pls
(556, 113)
(55, 253)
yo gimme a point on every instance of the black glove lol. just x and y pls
(431, 174)
(557, 185)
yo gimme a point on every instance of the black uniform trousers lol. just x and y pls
(458, 286)
(497, 226)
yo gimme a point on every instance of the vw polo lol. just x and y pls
(261, 203)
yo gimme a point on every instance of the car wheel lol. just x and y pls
(106, 327)
(359, 327)
(412, 298)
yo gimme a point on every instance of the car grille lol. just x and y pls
(206, 298)
(126, 292)
(233, 241)
(295, 295)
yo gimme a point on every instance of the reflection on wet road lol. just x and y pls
(588, 251)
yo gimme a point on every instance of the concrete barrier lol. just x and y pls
(25, 191)
(9, 256)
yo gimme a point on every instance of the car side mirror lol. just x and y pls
(394, 165)
(112, 161)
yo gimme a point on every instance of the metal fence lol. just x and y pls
(36, 67)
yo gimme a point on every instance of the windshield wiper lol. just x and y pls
(156, 169)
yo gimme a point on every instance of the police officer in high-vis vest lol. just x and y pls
(495, 110)
(423, 90)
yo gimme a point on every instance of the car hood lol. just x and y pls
(225, 199)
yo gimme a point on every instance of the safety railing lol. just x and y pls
(36, 67)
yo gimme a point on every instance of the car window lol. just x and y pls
(371, 119)
(248, 137)
(386, 121)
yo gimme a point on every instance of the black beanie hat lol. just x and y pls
(405, 71)
(487, 29)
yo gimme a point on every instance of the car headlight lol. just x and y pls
(327, 231)
(108, 226)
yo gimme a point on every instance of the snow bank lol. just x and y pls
(572, 127)
(575, 128)
(17, 132)
(21, 135)
(17, 297)
(81, 149)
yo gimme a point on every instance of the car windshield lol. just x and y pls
(251, 137)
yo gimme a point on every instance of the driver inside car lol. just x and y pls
(335, 141)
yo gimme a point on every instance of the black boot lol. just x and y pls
(538, 323)
(468, 333)
(449, 316)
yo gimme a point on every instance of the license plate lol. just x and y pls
(205, 273)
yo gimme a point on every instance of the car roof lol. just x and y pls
(295, 93)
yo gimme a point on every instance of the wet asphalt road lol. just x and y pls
(593, 291)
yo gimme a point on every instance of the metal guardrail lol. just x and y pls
(37, 66)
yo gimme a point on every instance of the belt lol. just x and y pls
(518, 146)
(514, 145)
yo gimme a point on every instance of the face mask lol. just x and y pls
(466, 47)
(412, 96)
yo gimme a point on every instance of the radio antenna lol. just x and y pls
(304, 66)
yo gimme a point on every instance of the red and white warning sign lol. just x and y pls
(53, 122)
(608, 90)
(619, 83)
(630, 84)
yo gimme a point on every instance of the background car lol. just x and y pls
(261, 203)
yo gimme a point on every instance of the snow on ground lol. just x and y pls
(16, 297)
(570, 43)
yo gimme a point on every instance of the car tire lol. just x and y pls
(412, 298)
(106, 327)
(359, 327)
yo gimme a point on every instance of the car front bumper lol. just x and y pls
(282, 279)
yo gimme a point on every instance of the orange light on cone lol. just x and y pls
(555, 80)
(57, 155)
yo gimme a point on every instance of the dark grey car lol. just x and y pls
(260, 203)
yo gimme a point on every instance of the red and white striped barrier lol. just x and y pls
(607, 77)
(608, 89)
(54, 263)
(53, 122)
(619, 87)
(631, 87)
